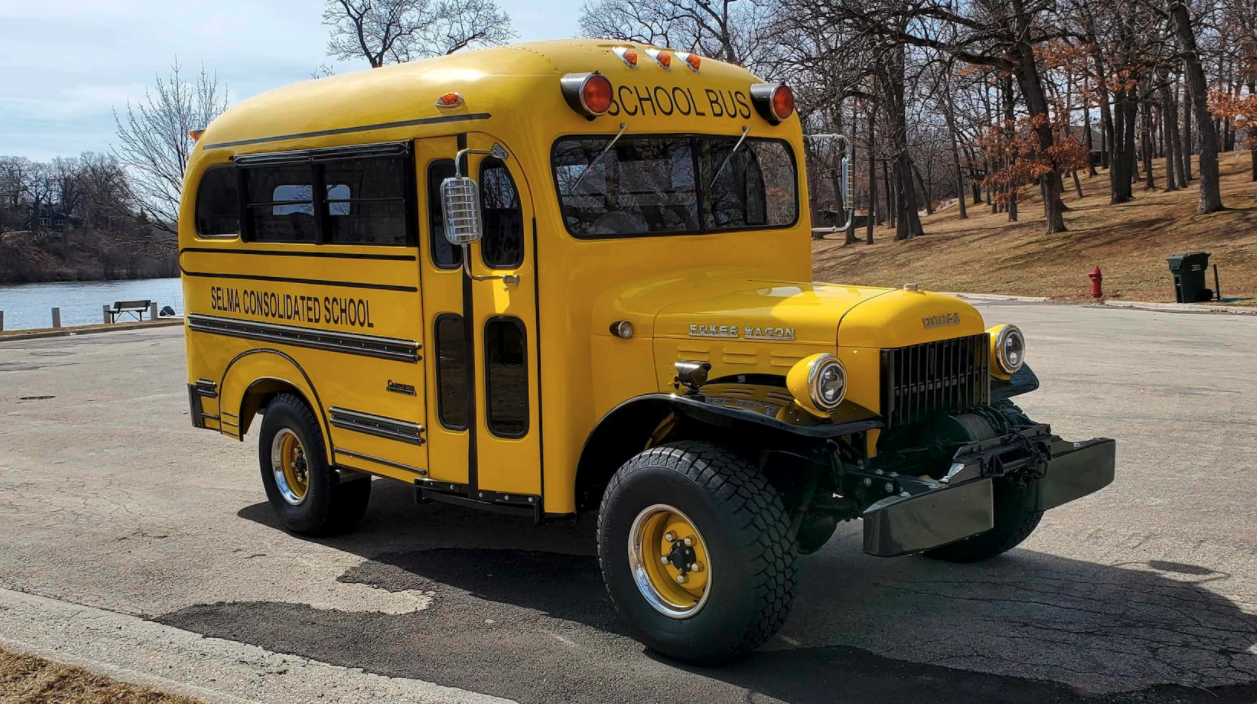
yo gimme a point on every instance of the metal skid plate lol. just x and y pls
(900, 525)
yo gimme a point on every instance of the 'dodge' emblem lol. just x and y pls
(938, 321)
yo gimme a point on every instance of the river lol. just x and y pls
(28, 306)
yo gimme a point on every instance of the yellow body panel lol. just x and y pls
(570, 290)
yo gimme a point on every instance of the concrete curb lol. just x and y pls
(1179, 307)
(133, 650)
(999, 297)
(88, 329)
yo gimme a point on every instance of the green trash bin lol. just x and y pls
(1189, 270)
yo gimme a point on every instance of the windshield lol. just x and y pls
(659, 185)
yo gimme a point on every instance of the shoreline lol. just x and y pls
(37, 333)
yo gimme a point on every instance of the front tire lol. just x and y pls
(304, 491)
(707, 505)
(1015, 519)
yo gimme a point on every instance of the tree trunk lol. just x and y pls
(1252, 91)
(1171, 97)
(1146, 136)
(1168, 126)
(926, 191)
(1036, 102)
(1187, 132)
(1088, 139)
(1210, 187)
(855, 132)
(872, 216)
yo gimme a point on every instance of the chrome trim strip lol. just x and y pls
(378, 460)
(329, 340)
(379, 426)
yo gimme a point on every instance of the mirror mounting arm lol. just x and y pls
(506, 279)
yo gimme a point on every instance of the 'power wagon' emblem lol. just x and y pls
(751, 333)
(938, 321)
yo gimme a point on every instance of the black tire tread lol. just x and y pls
(346, 503)
(741, 492)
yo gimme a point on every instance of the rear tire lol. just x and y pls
(304, 491)
(740, 527)
(1015, 520)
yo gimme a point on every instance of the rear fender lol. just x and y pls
(255, 374)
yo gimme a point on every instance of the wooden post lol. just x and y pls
(105, 312)
(152, 311)
(56, 317)
(1, 321)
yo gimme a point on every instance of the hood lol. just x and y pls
(815, 313)
(807, 313)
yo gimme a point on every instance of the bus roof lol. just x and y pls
(502, 78)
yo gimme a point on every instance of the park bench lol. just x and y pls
(120, 308)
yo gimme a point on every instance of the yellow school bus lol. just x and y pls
(574, 276)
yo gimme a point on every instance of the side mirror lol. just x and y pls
(460, 206)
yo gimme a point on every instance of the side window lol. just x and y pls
(506, 377)
(366, 201)
(281, 204)
(503, 243)
(444, 254)
(218, 203)
(451, 371)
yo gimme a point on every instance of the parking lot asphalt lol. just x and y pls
(1144, 592)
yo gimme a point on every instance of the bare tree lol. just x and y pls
(729, 30)
(154, 139)
(1197, 84)
(396, 31)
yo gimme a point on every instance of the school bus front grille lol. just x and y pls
(934, 378)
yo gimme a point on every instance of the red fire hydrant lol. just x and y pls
(1096, 278)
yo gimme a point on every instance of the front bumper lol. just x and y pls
(928, 514)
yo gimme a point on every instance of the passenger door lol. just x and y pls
(484, 419)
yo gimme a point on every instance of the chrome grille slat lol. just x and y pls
(946, 376)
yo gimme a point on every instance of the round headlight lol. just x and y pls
(1010, 349)
(827, 382)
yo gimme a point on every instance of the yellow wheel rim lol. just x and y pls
(289, 467)
(669, 561)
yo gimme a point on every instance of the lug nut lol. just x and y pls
(663, 559)
(680, 579)
(890, 488)
(689, 542)
(868, 482)
(669, 537)
(696, 567)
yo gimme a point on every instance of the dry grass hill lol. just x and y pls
(1129, 242)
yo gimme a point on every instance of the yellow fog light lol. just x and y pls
(1008, 349)
(818, 383)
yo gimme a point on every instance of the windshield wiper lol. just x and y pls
(745, 131)
(583, 174)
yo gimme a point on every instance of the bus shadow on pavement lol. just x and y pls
(529, 619)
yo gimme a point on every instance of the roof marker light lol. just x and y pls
(773, 103)
(451, 99)
(195, 134)
(692, 61)
(587, 93)
(627, 55)
(663, 58)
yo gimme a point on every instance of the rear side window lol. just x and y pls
(359, 195)
(218, 203)
(366, 201)
(281, 204)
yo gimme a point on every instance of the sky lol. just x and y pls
(65, 65)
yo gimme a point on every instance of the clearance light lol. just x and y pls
(627, 55)
(691, 61)
(451, 99)
(195, 134)
(663, 58)
(773, 103)
(587, 93)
